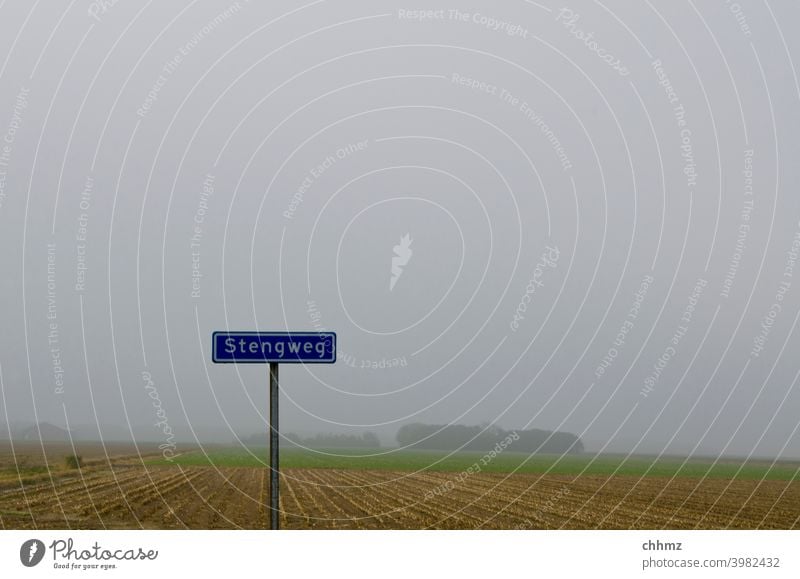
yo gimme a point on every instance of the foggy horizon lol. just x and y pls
(504, 221)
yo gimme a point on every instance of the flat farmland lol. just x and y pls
(123, 487)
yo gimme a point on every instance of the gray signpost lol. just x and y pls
(273, 348)
(274, 458)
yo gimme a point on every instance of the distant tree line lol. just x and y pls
(328, 440)
(323, 440)
(459, 436)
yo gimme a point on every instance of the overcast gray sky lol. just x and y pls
(600, 201)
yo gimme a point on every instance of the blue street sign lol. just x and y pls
(274, 347)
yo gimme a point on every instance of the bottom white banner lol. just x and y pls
(377, 554)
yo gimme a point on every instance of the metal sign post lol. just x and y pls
(273, 348)
(274, 459)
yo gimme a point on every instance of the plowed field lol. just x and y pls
(127, 493)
